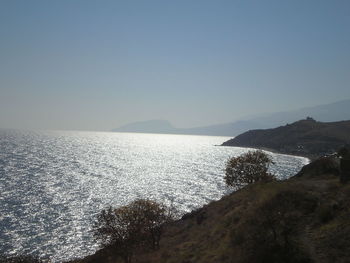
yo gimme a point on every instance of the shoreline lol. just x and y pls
(310, 157)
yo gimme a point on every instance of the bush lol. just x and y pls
(136, 225)
(248, 168)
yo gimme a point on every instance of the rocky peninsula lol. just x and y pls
(306, 137)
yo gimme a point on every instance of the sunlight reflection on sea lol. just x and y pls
(53, 183)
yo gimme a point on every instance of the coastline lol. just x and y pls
(310, 157)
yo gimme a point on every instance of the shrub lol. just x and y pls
(248, 168)
(136, 225)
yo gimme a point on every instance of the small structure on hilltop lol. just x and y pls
(308, 118)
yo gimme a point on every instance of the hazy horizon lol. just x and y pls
(98, 65)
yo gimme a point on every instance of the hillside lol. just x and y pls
(305, 137)
(303, 219)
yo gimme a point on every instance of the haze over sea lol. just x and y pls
(53, 183)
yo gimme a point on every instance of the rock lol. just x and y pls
(321, 166)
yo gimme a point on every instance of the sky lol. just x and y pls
(97, 65)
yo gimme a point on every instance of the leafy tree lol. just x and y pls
(248, 168)
(136, 225)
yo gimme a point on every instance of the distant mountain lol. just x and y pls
(337, 111)
(329, 112)
(162, 126)
(305, 137)
(226, 129)
(152, 126)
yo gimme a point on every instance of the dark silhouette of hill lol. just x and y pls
(305, 137)
(337, 111)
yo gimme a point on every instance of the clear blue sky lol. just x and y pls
(96, 65)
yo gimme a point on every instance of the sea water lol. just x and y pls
(54, 183)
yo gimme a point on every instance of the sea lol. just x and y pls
(54, 183)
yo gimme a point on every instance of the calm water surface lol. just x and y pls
(52, 184)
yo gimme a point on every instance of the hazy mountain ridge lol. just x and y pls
(336, 111)
(226, 129)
